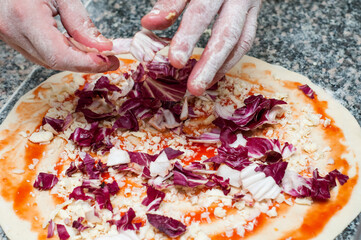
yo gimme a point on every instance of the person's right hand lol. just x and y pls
(29, 27)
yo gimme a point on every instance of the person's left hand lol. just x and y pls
(232, 35)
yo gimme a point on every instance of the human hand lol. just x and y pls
(232, 35)
(29, 27)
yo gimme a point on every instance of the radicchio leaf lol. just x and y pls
(256, 112)
(186, 178)
(167, 225)
(91, 168)
(86, 97)
(215, 180)
(275, 170)
(127, 121)
(142, 159)
(163, 81)
(307, 91)
(125, 222)
(78, 194)
(62, 232)
(236, 158)
(153, 199)
(45, 181)
(78, 225)
(94, 137)
(172, 153)
(102, 197)
(51, 229)
(71, 170)
(271, 149)
(56, 124)
(113, 188)
(317, 187)
(164, 119)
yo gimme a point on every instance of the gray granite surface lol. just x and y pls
(319, 39)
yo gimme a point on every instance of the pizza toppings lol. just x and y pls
(316, 187)
(163, 81)
(62, 232)
(126, 221)
(170, 226)
(51, 229)
(153, 199)
(45, 181)
(117, 156)
(307, 91)
(56, 124)
(78, 225)
(163, 147)
(256, 112)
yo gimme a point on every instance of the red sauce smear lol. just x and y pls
(321, 212)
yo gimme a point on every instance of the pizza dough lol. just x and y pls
(25, 210)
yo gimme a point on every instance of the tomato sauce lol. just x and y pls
(321, 212)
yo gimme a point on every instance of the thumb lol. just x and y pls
(78, 24)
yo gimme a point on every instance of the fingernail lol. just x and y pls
(101, 38)
(154, 12)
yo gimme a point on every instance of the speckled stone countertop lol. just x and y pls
(319, 39)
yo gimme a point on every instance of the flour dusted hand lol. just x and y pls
(232, 35)
(29, 27)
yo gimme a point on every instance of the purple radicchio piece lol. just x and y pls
(91, 168)
(256, 112)
(154, 198)
(62, 232)
(127, 121)
(164, 119)
(275, 170)
(140, 107)
(172, 153)
(78, 194)
(56, 124)
(215, 180)
(236, 158)
(113, 188)
(162, 81)
(78, 225)
(307, 91)
(51, 229)
(167, 225)
(71, 170)
(186, 178)
(271, 149)
(125, 222)
(142, 159)
(45, 181)
(94, 137)
(87, 95)
(317, 187)
(102, 197)
(209, 137)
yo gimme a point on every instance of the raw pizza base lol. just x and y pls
(29, 111)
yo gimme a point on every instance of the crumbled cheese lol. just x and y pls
(41, 137)
(23, 134)
(310, 147)
(161, 166)
(272, 212)
(303, 201)
(117, 156)
(220, 212)
(18, 171)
